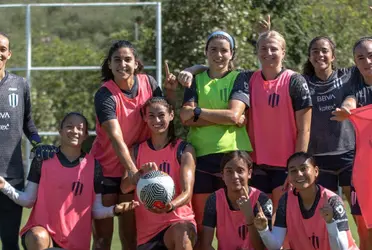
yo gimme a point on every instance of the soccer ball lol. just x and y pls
(155, 189)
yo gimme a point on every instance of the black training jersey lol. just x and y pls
(330, 137)
(210, 210)
(360, 90)
(339, 212)
(15, 118)
(105, 104)
(36, 165)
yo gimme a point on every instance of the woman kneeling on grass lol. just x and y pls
(65, 193)
(313, 217)
(231, 210)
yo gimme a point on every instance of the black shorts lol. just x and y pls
(355, 208)
(208, 177)
(23, 241)
(111, 185)
(335, 170)
(156, 243)
(266, 178)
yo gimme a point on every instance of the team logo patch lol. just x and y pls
(270, 208)
(243, 231)
(223, 95)
(314, 240)
(340, 209)
(13, 100)
(273, 100)
(77, 188)
(165, 167)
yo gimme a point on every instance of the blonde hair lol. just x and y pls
(274, 35)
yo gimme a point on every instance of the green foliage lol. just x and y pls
(80, 36)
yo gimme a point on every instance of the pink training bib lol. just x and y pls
(149, 224)
(361, 119)
(309, 234)
(232, 232)
(133, 127)
(64, 203)
(272, 126)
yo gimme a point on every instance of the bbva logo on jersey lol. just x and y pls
(13, 100)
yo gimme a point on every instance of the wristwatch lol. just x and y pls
(115, 213)
(172, 208)
(197, 112)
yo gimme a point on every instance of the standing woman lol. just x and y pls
(279, 116)
(119, 125)
(331, 143)
(360, 95)
(214, 109)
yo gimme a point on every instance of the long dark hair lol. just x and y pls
(237, 154)
(106, 72)
(161, 100)
(308, 68)
(75, 114)
(360, 41)
(227, 37)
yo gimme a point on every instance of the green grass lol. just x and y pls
(116, 241)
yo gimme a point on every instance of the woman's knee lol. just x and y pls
(38, 237)
(179, 231)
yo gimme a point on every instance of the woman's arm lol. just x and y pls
(113, 130)
(187, 116)
(187, 174)
(231, 116)
(303, 123)
(101, 212)
(274, 239)
(24, 199)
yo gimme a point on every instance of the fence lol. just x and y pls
(29, 68)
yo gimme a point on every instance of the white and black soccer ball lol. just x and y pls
(155, 189)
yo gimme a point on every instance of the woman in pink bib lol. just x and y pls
(65, 193)
(231, 210)
(312, 217)
(279, 114)
(119, 126)
(360, 96)
(172, 226)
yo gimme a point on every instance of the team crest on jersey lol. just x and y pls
(243, 231)
(77, 188)
(224, 95)
(314, 240)
(13, 100)
(273, 100)
(340, 210)
(165, 167)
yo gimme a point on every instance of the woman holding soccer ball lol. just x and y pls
(119, 126)
(175, 221)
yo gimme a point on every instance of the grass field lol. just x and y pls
(116, 242)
